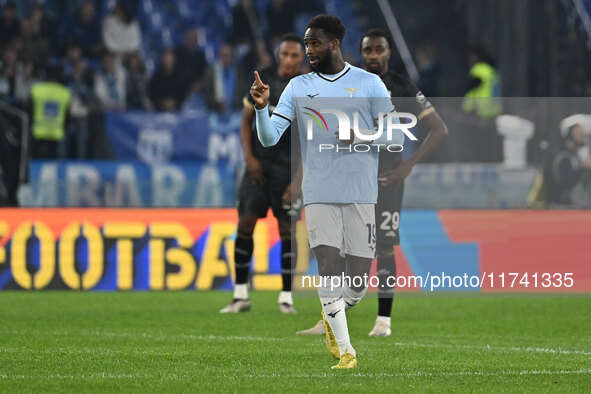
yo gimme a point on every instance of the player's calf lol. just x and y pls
(351, 297)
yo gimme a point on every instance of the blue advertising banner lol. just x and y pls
(165, 137)
(116, 184)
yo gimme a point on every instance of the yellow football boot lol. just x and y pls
(331, 342)
(347, 361)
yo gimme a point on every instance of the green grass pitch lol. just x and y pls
(178, 342)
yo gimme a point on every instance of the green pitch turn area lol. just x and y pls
(178, 342)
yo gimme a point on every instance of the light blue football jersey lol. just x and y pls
(338, 175)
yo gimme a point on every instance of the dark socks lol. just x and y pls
(242, 254)
(386, 269)
(287, 257)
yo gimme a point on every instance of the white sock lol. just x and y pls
(285, 298)
(384, 319)
(241, 291)
(352, 297)
(334, 310)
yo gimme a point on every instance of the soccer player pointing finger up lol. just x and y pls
(339, 190)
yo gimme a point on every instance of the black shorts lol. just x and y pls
(256, 199)
(388, 215)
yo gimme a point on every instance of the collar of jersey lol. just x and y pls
(334, 77)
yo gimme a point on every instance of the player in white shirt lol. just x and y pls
(339, 186)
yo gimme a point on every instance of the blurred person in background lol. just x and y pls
(244, 23)
(168, 86)
(50, 101)
(44, 25)
(483, 102)
(110, 84)
(16, 78)
(426, 57)
(137, 83)
(85, 27)
(483, 82)
(26, 77)
(121, 31)
(223, 82)
(247, 37)
(10, 138)
(10, 24)
(268, 182)
(191, 58)
(8, 73)
(72, 58)
(79, 77)
(32, 47)
(281, 16)
(570, 176)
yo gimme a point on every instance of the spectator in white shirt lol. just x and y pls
(121, 30)
(110, 84)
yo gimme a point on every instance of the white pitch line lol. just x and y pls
(429, 374)
(303, 375)
(495, 348)
(294, 338)
(79, 377)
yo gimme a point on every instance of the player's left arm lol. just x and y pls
(437, 132)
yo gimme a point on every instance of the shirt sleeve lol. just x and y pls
(380, 99)
(270, 128)
(381, 104)
(420, 106)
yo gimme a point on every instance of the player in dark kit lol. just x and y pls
(268, 182)
(376, 49)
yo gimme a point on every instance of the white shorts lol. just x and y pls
(351, 228)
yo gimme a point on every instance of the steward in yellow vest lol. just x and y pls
(50, 103)
(483, 97)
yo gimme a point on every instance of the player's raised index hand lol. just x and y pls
(259, 91)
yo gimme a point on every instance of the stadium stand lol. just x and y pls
(154, 138)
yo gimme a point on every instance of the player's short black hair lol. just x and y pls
(330, 24)
(293, 38)
(377, 33)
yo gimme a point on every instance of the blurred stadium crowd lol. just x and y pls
(93, 56)
(133, 55)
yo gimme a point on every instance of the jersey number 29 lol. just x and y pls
(391, 221)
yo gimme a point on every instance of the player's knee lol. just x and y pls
(330, 262)
(352, 295)
(386, 272)
(384, 252)
(288, 251)
(246, 224)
